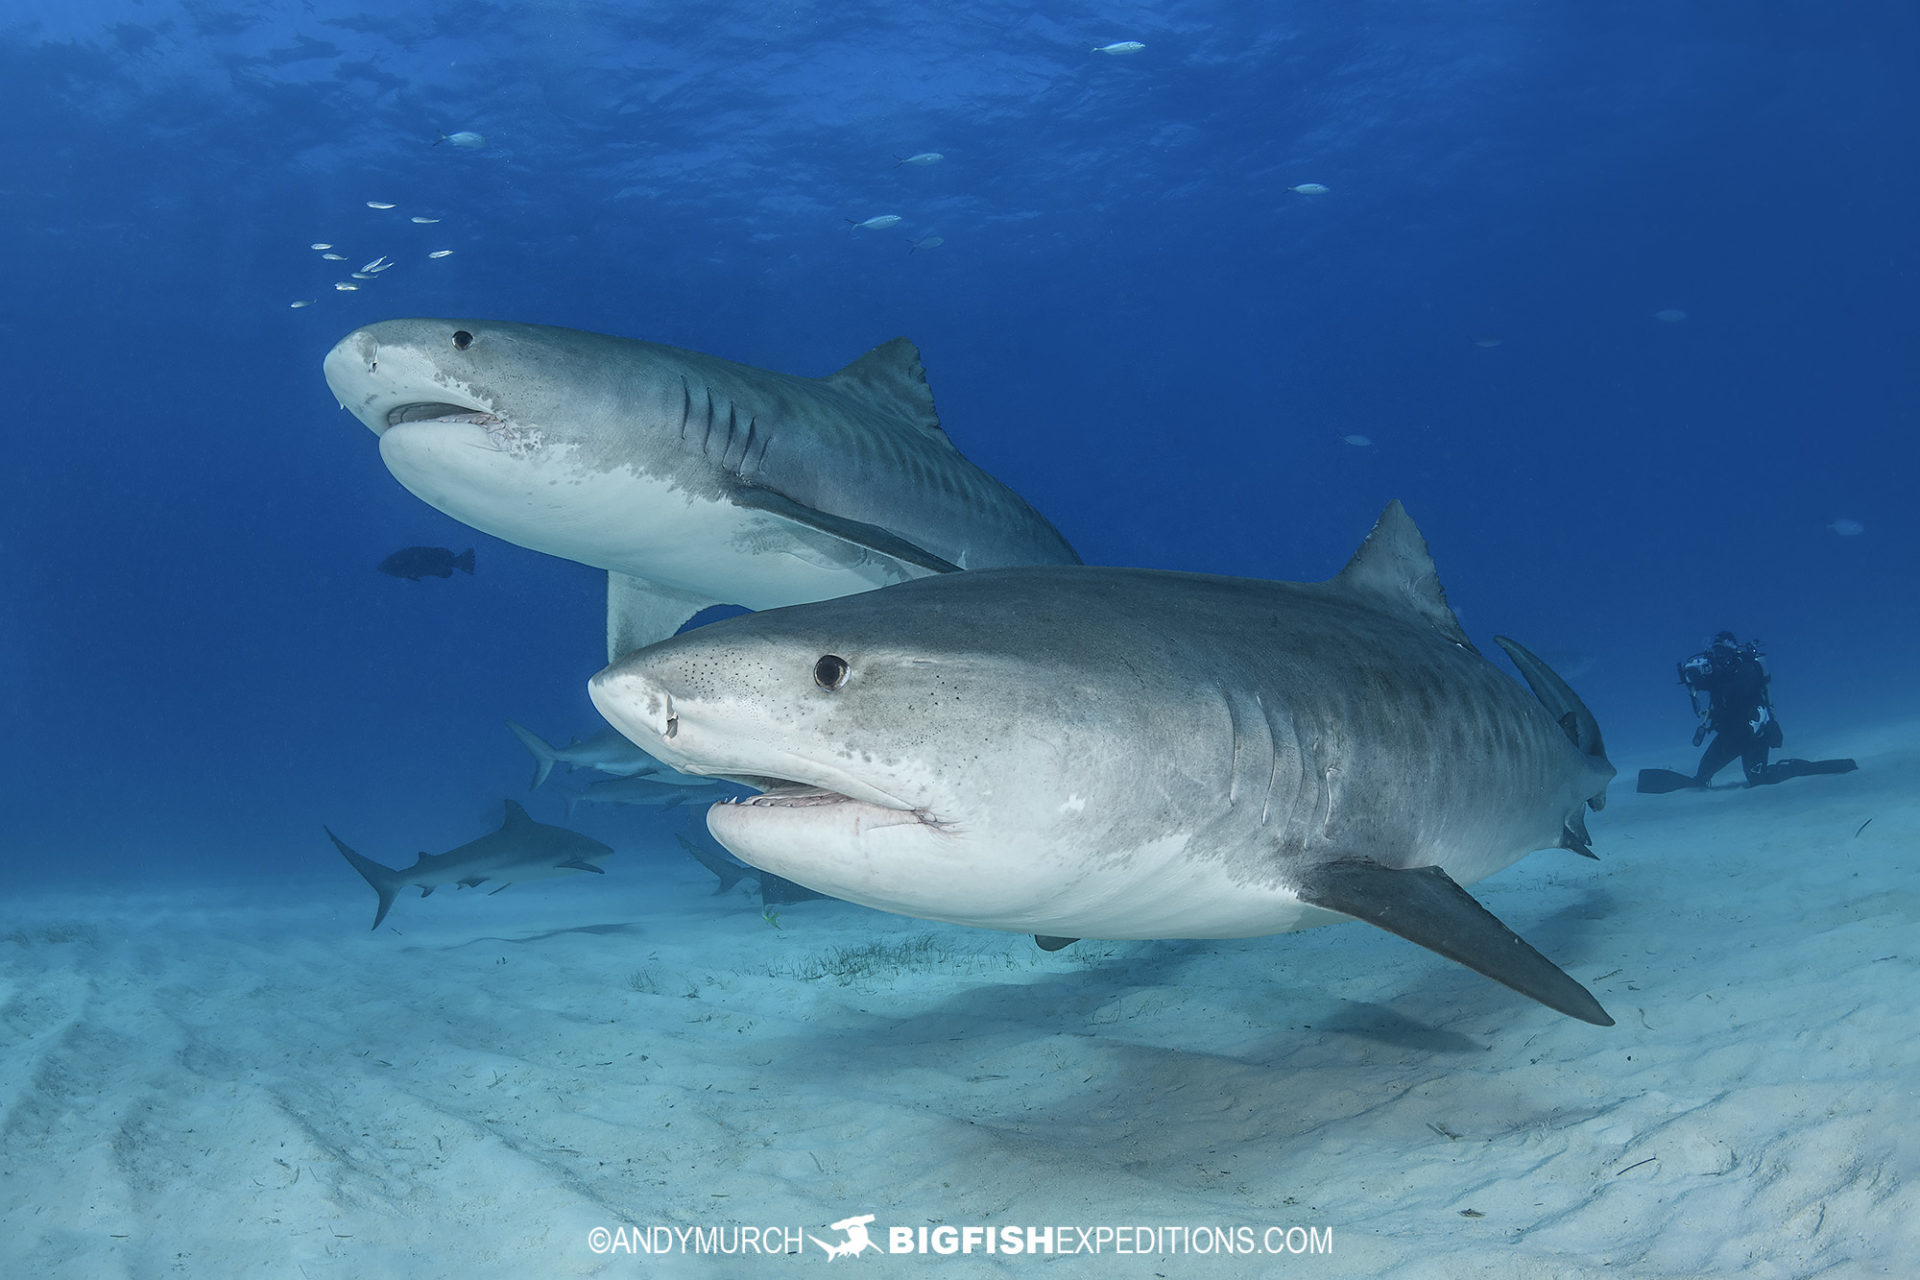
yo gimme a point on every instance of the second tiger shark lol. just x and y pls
(691, 479)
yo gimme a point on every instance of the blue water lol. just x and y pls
(1132, 320)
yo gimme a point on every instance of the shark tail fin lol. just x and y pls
(464, 560)
(385, 880)
(1564, 705)
(543, 755)
(724, 869)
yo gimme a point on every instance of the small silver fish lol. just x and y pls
(376, 262)
(385, 266)
(441, 253)
(425, 222)
(304, 302)
(319, 246)
(334, 257)
(378, 204)
(465, 138)
(1358, 442)
(1847, 528)
(927, 242)
(344, 287)
(880, 223)
(1310, 189)
(923, 159)
(1670, 315)
(361, 275)
(1120, 49)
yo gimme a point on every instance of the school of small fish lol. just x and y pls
(382, 264)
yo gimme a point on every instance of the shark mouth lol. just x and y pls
(440, 413)
(780, 793)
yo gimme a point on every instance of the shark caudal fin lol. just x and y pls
(464, 560)
(542, 751)
(385, 880)
(1564, 705)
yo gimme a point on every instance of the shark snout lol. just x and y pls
(635, 704)
(350, 369)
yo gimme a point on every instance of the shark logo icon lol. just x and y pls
(857, 1241)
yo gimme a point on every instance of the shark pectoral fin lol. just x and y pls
(641, 612)
(426, 890)
(1047, 942)
(1425, 905)
(848, 541)
(507, 885)
(473, 882)
(581, 864)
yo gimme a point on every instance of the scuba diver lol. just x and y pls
(1727, 687)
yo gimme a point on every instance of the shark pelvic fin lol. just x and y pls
(581, 864)
(891, 379)
(1424, 905)
(1047, 942)
(385, 880)
(1394, 569)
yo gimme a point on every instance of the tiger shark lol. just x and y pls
(1127, 753)
(521, 849)
(692, 480)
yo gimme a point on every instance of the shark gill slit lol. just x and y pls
(1273, 758)
(750, 465)
(1233, 764)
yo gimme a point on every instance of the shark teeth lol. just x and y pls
(440, 413)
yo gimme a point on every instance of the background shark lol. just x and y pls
(521, 849)
(607, 751)
(692, 480)
(1124, 753)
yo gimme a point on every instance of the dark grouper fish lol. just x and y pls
(692, 480)
(1125, 753)
(415, 563)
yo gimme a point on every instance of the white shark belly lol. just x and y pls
(627, 521)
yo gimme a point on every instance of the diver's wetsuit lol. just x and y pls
(1739, 714)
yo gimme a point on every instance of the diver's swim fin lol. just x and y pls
(1657, 782)
(1781, 770)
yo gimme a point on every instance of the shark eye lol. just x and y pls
(830, 672)
(462, 339)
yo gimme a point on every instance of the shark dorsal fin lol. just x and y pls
(516, 817)
(1394, 569)
(891, 378)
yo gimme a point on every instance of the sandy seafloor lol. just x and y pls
(246, 1082)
